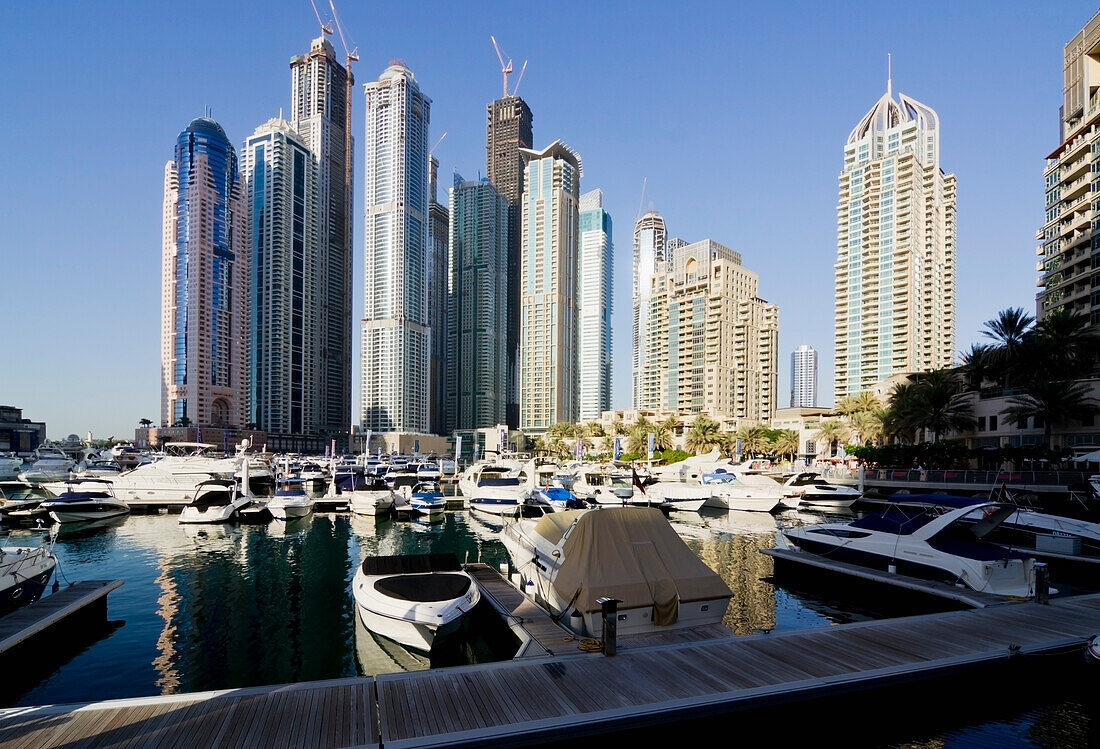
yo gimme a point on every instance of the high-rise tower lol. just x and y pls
(649, 258)
(594, 308)
(204, 264)
(319, 112)
(509, 132)
(804, 377)
(438, 228)
(895, 268)
(286, 339)
(395, 332)
(548, 298)
(477, 309)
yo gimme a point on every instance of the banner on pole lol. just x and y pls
(458, 448)
(618, 447)
(649, 443)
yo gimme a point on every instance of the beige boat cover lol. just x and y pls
(633, 554)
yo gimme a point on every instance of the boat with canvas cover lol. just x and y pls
(414, 599)
(928, 544)
(573, 558)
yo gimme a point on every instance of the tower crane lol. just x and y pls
(505, 68)
(325, 29)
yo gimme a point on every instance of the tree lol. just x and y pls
(146, 423)
(617, 427)
(865, 426)
(1061, 346)
(831, 432)
(755, 439)
(1008, 332)
(1053, 402)
(594, 429)
(786, 443)
(977, 365)
(704, 434)
(941, 404)
(662, 437)
(183, 421)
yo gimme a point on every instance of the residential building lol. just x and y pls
(395, 333)
(1070, 236)
(507, 133)
(895, 268)
(548, 298)
(437, 281)
(286, 338)
(321, 113)
(711, 339)
(649, 257)
(804, 377)
(594, 307)
(18, 435)
(477, 308)
(204, 265)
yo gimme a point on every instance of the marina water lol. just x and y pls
(239, 605)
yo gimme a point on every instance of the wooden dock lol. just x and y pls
(83, 598)
(567, 697)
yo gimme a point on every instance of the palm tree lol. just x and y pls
(662, 437)
(846, 406)
(865, 426)
(1063, 346)
(617, 427)
(594, 429)
(831, 431)
(941, 404)
(704, 434)
(673, 424)
(1008, 332)
(146, 423)
(754, 439)
(904, 408)
(977, 364)
(786, 443)
(1055, 402)
(560, 429)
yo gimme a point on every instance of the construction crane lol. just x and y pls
(325, 29)
(436, 145)
(515, 91)
(505, 68)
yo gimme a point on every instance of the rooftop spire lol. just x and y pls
(889, 77)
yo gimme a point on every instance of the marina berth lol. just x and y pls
(83, 500)
(415, 600)
(569, 560)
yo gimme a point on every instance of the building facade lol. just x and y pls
(895, 268)
(649, 257)
(594, 262)
(204, 267)
(477, 307)
(395, 333)
(321, 114)
(548, 298)
(437, 281)
(1070, 236)
(804, 377)
(711, 339)
(286, 340)
(507, 132)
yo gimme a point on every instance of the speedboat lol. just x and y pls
(24, 574)
(678, 495)
(216, 501)
(570, 560)
(926, 543)
(426, 498)
(50, 464)
(10, 465)
(290, 500)
(22, 503)
(811, 488)
(83, 500)
(729, 492)
(415, 600)
(368, 494)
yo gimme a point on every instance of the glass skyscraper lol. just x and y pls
(594, 308)
(804, 377)
(204, 263)
(649, 258)
(395, 331)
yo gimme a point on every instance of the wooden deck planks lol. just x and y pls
(34, 618)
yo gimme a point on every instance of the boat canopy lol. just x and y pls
(632, 554)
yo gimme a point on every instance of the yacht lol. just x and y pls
(569, 560)
(290, 501)
(811, 489)
(368, 494)
(10, 466)
(926, 543)
(498, 488)
(85, 499)
(50, 464)
(216, 501)
(24, 574)
(415, 600)
(729, 492)
(425, 497)
(676, 495)
(22, 503)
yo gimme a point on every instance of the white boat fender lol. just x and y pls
(529, 588)
(1092, 649)
(576, 621)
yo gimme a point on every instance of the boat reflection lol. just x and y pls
(87, 527)
(375, 654)
(290, 527)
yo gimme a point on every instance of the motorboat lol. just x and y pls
(367, 494)
(811, 489)
(559, 498)
(216, 501)
(729, 492)
(500, 495)
(100, 469)
(50, 464)
(570, 560)
(926, 543)
(426, 498)
(24, 574)
(677, 495)
(415, 600)
(85, 499)
(290, 501)
(10, 466)
(22, 503)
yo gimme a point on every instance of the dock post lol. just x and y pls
(610, 611)
(1042, 583)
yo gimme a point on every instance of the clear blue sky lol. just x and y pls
(735, 116)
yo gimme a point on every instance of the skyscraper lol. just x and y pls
(286, 339)
(594, 308)
(711, 339)
(804, 377)
(204, 264)
(895, 268)
(395, 332)
(1070, 235)
(320, 112)
(507, 133)
(477, 308)
(437, 277)
(649, 257)
(548, 292)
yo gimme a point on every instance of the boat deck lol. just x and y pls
(577, 695)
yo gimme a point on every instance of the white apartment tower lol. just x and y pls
(548, 288)
(649, 257)
(895, 268)
(804, 377)
(594, 308)
(394, 388)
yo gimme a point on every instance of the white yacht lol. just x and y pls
(216, 501)
(498, 488)
(50, 464)
(10, 466)
(290, 501)
(24, 574)
(729, 492)
(369, 495)
(85, 499)
(811, 489)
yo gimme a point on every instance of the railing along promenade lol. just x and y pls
(889, 480)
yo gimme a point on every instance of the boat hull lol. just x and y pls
(82, 514)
